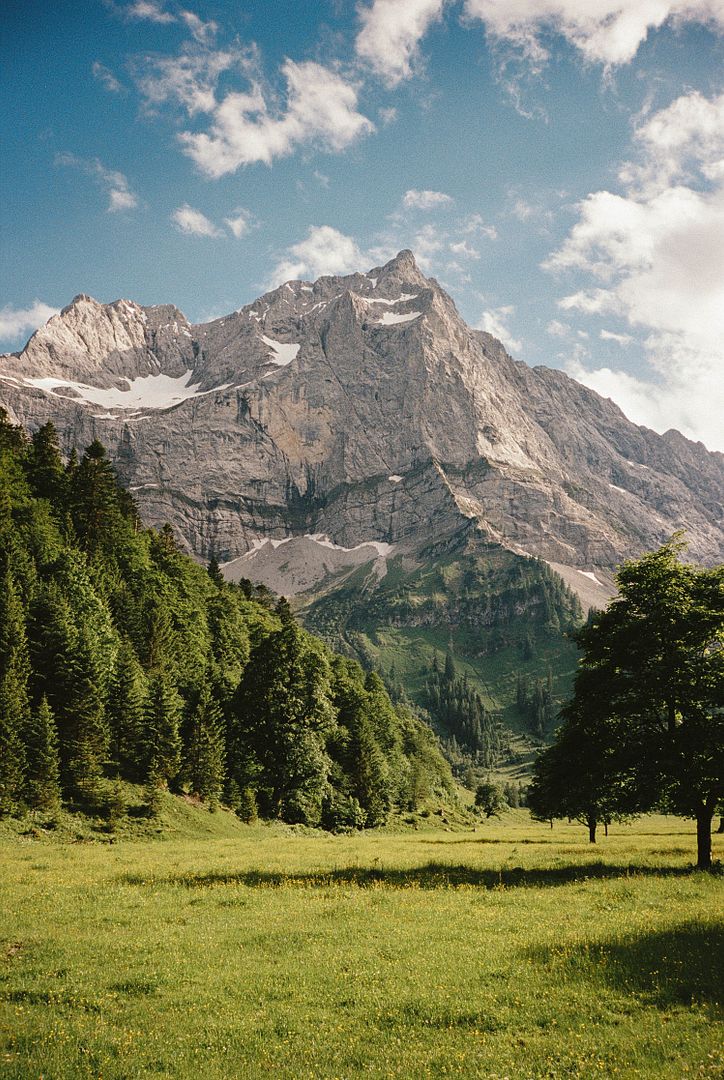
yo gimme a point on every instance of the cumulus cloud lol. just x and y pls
(193, 223)
(321, 110)
(149, 10)
(390, 34)
(425, 200)
(239, 223)
(17, 323)
(323, 251)
(190, 77)
(114, 183)
(495, 322)
(204, 32)
(607, 32)
(106, 78)
(620, 339)
(464, 250)
(655, 252)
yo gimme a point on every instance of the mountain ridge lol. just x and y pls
(361, 408)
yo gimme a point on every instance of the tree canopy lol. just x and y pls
(645, 727)
(122, 658)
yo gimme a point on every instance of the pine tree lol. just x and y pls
(14, 702)
(206, 752)
(46, 470)
(43, 773)
(283, 717)
(214, 572)
(163, 719)
(86, 727)
(94, 500)
(126, 715)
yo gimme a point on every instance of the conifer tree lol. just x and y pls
(46, 470)
(87, 731)
(206, 752)
(126, 715)
(14, 701)
(163, 720)
(283, 717)
(43, 772)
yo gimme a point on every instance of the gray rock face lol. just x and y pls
(360, 408)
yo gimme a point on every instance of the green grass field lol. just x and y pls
(258, 951)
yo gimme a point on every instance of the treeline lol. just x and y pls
(460, 713)
(122, 658)
(535, 703)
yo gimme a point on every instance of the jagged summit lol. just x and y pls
(361, 409)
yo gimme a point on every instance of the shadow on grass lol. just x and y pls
(683, 965)
(431, 876)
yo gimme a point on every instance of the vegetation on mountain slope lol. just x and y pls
(121, 658)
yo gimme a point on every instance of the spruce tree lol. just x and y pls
(126, 715)
(14, 701)
(43, 772)
(46, 470)
(163, 720)
(206, 751)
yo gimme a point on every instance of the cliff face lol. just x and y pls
(354, 410)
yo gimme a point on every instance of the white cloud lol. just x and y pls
(324, 251)
(464, 250)
(115, 184)
(16, 323)
(390, 34)
(656, 252)
(495, 322)
(189, 78)
(204, 32)
(558, 329)
(149, 10)
(321, 111)
(239, 223)
(106, 77)
(425, 200)
(620, 339)
(194, 223)
(608, 32)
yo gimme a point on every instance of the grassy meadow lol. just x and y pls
(223, 950)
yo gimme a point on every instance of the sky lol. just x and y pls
(557, 165)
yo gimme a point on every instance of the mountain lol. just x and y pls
(346, 439)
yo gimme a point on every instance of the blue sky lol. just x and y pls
(557, 165)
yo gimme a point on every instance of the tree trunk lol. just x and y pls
(592, 828)
(704, 814)
(605, 828)
(721, 825)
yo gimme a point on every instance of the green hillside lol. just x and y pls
(122, 661)
(504, 619)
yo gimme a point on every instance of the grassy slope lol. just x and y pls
(416, 614)
(510, 951)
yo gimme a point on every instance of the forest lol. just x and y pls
(121, 659)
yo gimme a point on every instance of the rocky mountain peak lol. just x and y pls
(360, 408)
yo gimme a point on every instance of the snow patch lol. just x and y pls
(636, 464)
(394, 479)
(382, 549)
(400, 299)
(589, 574)
(391, 318)
(144, 392)
(323, 540)
(372, 280)
(283, 353)
(615, 487)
